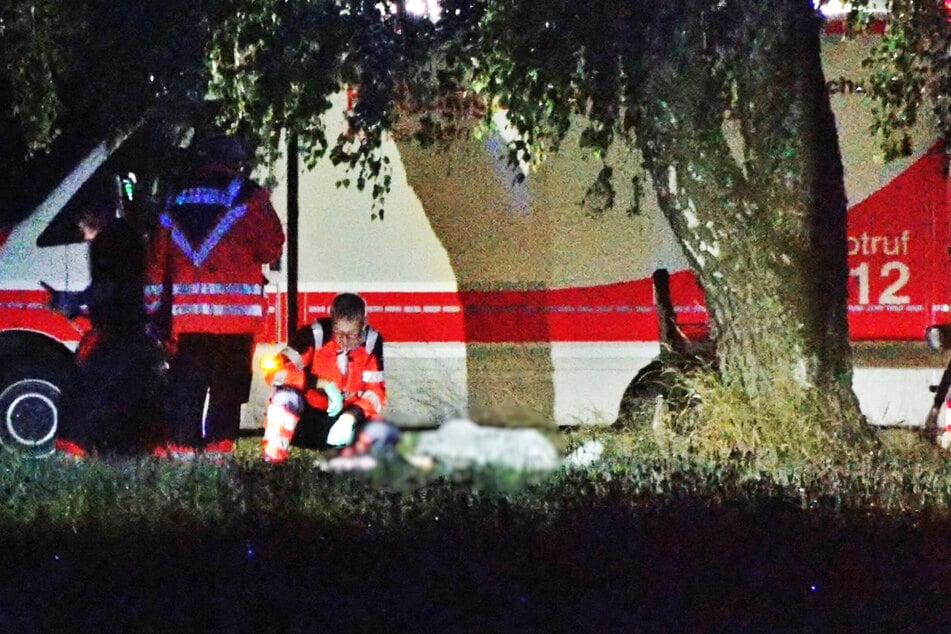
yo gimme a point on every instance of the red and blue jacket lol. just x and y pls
(204, 265)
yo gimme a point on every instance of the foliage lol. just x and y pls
(908, 477)
(680, 542)
(910, 68)
(277, 65)
(117, 496)
(542, 63)
(703, 417)
(101, 64)
(130, 544)
(31, 35)
(114, 495)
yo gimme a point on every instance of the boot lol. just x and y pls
(279, 426)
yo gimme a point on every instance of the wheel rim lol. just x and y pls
(30, 415)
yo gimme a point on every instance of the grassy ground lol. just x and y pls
(637, 542)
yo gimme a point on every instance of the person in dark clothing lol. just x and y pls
(107, 408)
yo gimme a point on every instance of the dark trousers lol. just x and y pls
(112, 405)
(312, 429)
(212, 368)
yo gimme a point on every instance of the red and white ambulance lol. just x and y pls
(491, 291)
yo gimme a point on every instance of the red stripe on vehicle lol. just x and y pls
(27, 310)
(612, 312)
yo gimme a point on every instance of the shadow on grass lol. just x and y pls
(600, 564)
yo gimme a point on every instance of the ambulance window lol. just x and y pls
(137, 175)
(64, 228)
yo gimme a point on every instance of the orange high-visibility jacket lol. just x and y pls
(205, 259)
(312, 353)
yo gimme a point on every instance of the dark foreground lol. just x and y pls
(684, 567)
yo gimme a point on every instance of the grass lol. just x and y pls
(898, 474)
(648, 538)
(122, 496)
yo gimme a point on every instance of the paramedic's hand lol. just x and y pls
(334, 397)
(154, 333)
(158, 333)
(66, 302)
(341, 432)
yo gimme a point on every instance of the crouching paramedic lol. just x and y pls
(328, 386)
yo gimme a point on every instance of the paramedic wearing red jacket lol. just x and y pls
(205, 278)
(329, 388)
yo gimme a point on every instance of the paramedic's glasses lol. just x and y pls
(349, 336)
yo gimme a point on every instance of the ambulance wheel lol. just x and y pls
(29, 407)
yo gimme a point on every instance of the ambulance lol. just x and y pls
(502, 297)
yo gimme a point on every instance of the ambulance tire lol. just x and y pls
(29, 405)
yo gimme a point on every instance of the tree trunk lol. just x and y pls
(753, 188)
